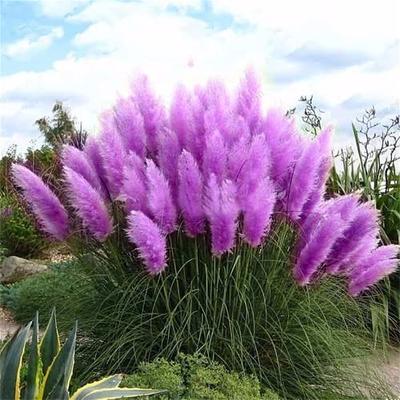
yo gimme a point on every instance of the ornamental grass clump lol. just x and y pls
(204, 226)
(215, 163)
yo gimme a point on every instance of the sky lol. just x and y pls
(86, 52)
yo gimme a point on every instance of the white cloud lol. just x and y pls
(28, 45)
(60, 8)
(122, 38)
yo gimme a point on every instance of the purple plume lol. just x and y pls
(134, 191)
(378, 264)
(215, 156)
(191, 194)
(327, 230)
(46, 206)
(182, 119)
(130, 125)
(258, 211)
(248, 101)
(113, 158)
(254, 169)
(284, 143)
(159, 198)
(88, 204)
(302, 181)
(152, 110)
(78, 161)
(149, 240)
(363, 230)
(322, 173)
(222, 212)
(92, 151)
(169, 150)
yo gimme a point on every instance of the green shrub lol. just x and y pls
(18, 234)
(196, 378)
(63, 286)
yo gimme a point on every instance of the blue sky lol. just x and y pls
(85, 53)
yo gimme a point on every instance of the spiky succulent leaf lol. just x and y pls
(119, 393)
(58, 376)
(33, 377)
(10, 364)
(110, 382)
(50, 343)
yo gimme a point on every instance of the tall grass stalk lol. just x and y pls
(243, 310)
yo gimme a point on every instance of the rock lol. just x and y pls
(14, 269)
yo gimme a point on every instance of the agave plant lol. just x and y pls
(49, 369)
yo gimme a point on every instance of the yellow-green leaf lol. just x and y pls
(10, 364)
(106, 383)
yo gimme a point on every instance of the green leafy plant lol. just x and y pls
(373, 171)
(18, 234)
(195, 378)
(64, 285)
(49, 369)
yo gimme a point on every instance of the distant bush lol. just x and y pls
(196, 378)
(60, 288)
(18, 234)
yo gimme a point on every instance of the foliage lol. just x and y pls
(61, 128)
(63, 284)
(5, 165)
(196, 378)
(243, 310)
(18, 234)
(375, 174)
(49, 369)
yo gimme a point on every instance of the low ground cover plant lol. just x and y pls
(195, 378)
(206, 228)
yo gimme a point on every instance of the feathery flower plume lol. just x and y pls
(92, 151)
(222, 212)
(248, 101)
(317, 248)
(302, 181)
(325, 164)
(215, 156)
(130, 125)
(379, 263)
(363, 229)
(182, 119)
(169, 150)
(88, 204)
(149, 240)
(254, 170)
(284, 143)
(134, 191)
(113, 158)
(78, 161)
(159, 198)
(258, 211)
(190, 194)
(152, 110)
(46, 206)
(218, 115)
